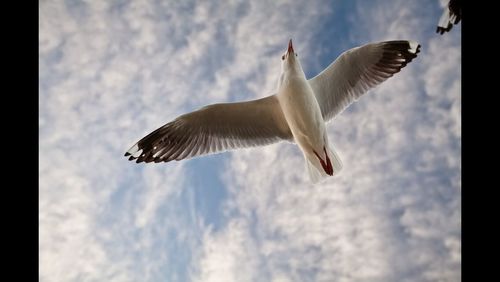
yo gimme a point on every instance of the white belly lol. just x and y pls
(303, 114)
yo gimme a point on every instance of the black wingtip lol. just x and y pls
(127, 154)
(441, 30)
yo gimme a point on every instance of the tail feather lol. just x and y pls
(335, 158)
(315, 175)
(315, 169)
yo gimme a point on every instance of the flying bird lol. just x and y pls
(297, 112)
(452, 14)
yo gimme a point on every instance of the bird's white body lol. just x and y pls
(302, 111)
(298, 112)
(303, 115)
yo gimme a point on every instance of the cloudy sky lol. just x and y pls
(110, 72)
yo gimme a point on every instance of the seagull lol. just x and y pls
(297, 112)
(452, 14)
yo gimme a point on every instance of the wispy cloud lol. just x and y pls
(111, 72)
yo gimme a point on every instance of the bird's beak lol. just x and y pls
(290, 47)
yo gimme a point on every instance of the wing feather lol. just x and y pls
(356, 71)
(214, 128)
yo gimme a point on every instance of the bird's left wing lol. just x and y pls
(357, 70)
(214, 128)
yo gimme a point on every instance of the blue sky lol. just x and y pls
(110, 72)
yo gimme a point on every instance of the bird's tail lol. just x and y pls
(319, 169)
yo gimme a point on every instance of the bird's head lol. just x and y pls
(290, 65)
(290, 60)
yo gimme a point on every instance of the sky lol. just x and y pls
(112, 71)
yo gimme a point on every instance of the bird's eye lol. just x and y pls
(296, 54)
(283, 57)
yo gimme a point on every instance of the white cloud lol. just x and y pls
(99, 214)
(228, 256)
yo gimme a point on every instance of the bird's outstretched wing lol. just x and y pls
(452, 14)
(214, 128)
(357, 70)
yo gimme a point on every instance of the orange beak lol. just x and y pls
(290, 47)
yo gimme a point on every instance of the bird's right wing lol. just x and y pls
(356, 71)
(214, 128)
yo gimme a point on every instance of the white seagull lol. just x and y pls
(297, 113)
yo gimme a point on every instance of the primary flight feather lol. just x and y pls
(297, 112)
